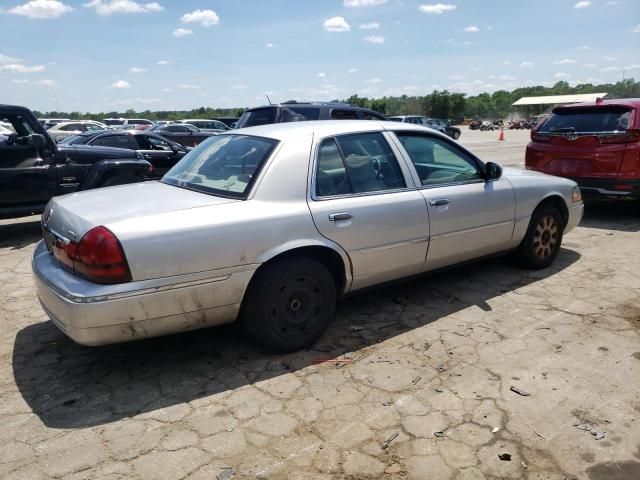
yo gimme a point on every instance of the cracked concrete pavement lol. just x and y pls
(426, 366)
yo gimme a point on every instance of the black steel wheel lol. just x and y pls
(289, 304)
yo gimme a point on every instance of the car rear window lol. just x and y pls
(224, 165)
(259, 116)
(583, 120)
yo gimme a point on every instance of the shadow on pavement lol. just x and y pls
(17, 235)
(70, 386)
(621, 215)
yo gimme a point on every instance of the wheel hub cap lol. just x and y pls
(545, 238)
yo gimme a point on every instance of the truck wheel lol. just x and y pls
(541, 244)
(120, 179)
(289, 304)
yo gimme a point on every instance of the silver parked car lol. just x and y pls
(272, 224)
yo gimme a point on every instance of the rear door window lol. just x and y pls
(299, 114)
(358, 163)
(588, 120)
(118, 141)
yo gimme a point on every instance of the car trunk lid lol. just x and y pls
(71, 216)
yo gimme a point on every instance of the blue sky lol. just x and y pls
(101, 55)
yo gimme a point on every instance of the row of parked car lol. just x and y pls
(597, 144)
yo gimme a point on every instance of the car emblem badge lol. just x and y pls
(572, 136)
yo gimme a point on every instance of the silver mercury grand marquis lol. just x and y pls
(271, 224)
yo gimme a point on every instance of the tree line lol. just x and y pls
(437, 104)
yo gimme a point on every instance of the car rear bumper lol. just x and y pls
(599, 187)
(140, 311)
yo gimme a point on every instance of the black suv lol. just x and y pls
(33, 168)
(293, 111)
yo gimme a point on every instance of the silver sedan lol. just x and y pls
(271, 224)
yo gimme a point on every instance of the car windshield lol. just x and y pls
(259, 116)
(224, 165)
(597, 119)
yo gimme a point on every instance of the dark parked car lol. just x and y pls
(596, 144)
(453, 132)
(207, 125)
(181, 133)
(228, 121)
(160, 152)
(440, 125)
(33, 168)
(293, 111)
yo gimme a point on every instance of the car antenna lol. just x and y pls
(268, 99)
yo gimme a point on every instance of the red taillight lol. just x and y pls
(630, 136)
(99, 257)
(540, 137)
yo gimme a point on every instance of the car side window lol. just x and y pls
(118, 141)
(438, 162)
(343, 115)
(359, 163)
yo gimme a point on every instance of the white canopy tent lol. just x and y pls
(559, 99)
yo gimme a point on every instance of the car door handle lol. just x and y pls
(336, 217)
(438, 202)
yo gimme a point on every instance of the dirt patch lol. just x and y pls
(631, 313)
(614, 471)
(586, 417)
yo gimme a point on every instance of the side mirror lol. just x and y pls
(492, 171)
(38, 140)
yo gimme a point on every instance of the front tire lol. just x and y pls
(541, 244)
(289, 304)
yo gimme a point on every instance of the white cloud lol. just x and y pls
(609, 69)
(471, 29)
(7, 59)
(110, 7)
(373, 39)
(164, 62)
(584, 47)
(634, 66)
(238, 86)
(561, 75)
(137, 70)
(41, 9)
(506, 78)
(269, 45)
(47, 83)
(373, 81)
(582, 4)
(336, 24)
(564, 61)
(609, 59)
(352, 70)
(436, 9)
(637, 29)
(369, 26)
(506, 62)
(206, 18)
(20, 81)
(526, 65)
(181, 32)
(322, 75)
(589, 65)
(611, 3)
(456, 76)
(186, 86)
(166, 90)
(19, 68)
(120, 84)
(362, 3)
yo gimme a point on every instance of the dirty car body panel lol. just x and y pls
(192, 254)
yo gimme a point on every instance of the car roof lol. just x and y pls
(621, 102)
(325, 128)
(345, 106)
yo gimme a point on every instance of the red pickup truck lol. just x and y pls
(596, 144)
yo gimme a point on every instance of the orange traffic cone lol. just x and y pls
(501, 137)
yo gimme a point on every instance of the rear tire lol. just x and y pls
(541, 244)
(289, 304)
(120, 179)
